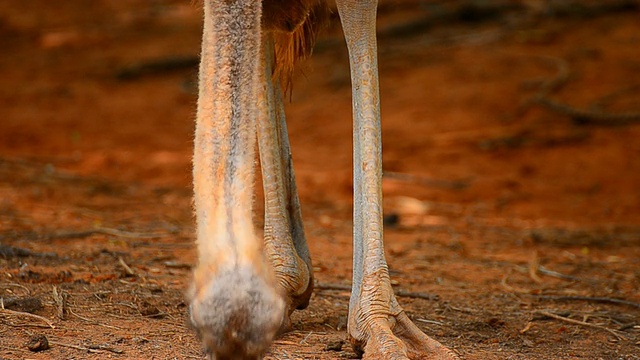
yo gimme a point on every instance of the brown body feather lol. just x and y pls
(295, 25)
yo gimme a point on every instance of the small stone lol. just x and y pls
(25, 304)
(38, 343)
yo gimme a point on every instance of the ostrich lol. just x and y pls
(246, 286)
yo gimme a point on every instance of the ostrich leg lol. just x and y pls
(236, 305)
(284, 239)
(377, 325)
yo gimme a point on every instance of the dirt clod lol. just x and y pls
(37, 343)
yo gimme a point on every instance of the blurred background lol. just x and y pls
(511, 159)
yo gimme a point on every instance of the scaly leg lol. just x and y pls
(285, 243)
(377, 325)
(235, 303)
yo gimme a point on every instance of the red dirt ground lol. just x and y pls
(506, 210)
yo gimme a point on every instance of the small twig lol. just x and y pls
(105, 348)
(397, 292)
(126, 267)
(545, 271)
(77, 347)
(426, 321)
(306, 337)
(21, 313)
(510, 288)
(526, 327)
(128, 234)
(534, 265)
(590, 298)
(578, 322)
(60, 298)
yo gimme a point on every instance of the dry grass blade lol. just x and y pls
(578, 322)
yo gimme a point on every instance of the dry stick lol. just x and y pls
(21, 313)
(607, 99)
(545, 271)
(398, 292)
(579, 116)
(86, 233)
(590, 298)
(578, 322)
